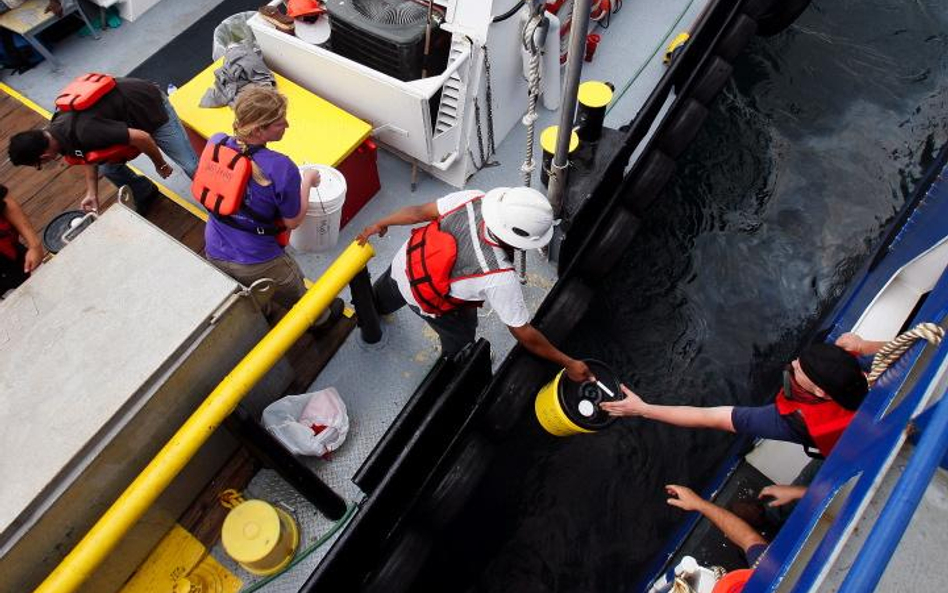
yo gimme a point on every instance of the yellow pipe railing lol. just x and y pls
(105, 535)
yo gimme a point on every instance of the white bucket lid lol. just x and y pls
(316, 32)
(331, 192)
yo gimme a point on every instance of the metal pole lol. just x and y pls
(574, 69)
(369, 322)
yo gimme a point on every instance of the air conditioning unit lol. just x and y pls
(388, 36)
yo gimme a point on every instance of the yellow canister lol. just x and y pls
(564, 407)
(593, 98)
(548, 144)
(262, 538)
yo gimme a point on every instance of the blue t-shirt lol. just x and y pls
(279, 200)
(754, 553)
(765, 422)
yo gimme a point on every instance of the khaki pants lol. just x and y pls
(284, 271)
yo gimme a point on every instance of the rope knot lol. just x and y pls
(893, 350)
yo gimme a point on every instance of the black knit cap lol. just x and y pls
(836, 372)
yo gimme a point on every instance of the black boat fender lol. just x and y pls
(682, 129)
(707, 85)
(522, 377)
(647, 184)
(600, 257)
(778, 16)
(759, 8)
(566, 311)
(406, 558)
(736, 38)
(445, 500)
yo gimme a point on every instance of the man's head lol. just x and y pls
(521, 217)
(829, 371)
(32, 148)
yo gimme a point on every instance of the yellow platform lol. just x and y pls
(319, 132)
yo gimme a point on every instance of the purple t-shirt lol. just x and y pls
(280, 199)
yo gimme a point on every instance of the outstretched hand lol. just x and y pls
(850, 342)
(782, 494)
(683, 497)
(578, 371)
(372, 229)
(632, 405)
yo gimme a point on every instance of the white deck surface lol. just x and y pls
(88, 309)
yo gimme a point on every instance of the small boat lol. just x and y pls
(867, 512)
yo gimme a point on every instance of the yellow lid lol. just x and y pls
(548, 140)
(595, 94)
(251, 531)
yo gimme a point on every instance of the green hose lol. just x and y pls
(302, 555)
(657, 49)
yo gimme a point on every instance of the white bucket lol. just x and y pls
(320, 229)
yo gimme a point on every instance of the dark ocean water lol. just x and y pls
(808, 153)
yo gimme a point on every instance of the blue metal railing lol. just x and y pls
(862, 456)
(884, 538)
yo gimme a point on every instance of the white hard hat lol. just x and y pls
(519, 216)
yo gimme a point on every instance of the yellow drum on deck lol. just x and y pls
(565, 407)
(593, 98)
(262, 538)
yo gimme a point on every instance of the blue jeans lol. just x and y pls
(173, 141)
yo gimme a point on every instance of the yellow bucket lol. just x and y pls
(262, 538)
(565, 408)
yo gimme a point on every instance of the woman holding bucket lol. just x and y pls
(249, 245)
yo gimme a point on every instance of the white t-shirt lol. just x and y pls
(501, 290)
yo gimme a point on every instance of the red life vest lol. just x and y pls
(79, 95)
(84, 92)
(431, 256)
(220, 181)
(220, 185)
(432, 262)
(825, 420)
(9, 239)
(734, 581)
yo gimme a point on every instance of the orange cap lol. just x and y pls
(301, 8)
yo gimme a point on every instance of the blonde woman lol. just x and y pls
(245, 244)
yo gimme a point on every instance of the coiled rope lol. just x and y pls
(533, 92)
(894, 349)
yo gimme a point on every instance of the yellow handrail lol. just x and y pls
(105, 535)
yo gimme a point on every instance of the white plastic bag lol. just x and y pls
(233, 29)
(309, 424)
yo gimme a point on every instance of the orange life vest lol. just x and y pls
(435, 259)
(79, 95)
(825, 420)
(734, 581)
(220, 185)
(84, 92)
(431, 256)
(220, 181)
(9, 239)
